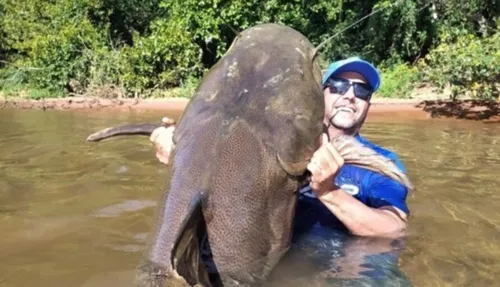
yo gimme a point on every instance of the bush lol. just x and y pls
(11, 81)
(56, 39)
(148, 47)
(161, 60)
(398, 80)
(13, 84)
(471, 66)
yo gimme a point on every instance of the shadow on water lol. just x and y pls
(77, 214)
(463, 109)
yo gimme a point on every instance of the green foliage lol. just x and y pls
(398, 81)
(128, 16)
(210, 22)
(56, 38)
(400, 30)
(471, 66)
(163, 47)
(161, 60)
(11, 81)
(462, 17)
(3, 46)
(186, 90)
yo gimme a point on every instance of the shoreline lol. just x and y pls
(477, 110)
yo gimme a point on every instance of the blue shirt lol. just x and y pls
(371, 188)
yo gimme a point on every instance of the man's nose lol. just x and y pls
(350, 94)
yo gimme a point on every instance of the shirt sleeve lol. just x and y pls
(383, 191)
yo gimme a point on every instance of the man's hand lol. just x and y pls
(162, 140)
(324, 167)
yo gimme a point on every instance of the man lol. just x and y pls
(364, 202)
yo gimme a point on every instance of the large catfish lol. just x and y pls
(241, 150)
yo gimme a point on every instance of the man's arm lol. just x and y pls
(361, 220)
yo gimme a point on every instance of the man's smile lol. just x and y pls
(346, 108)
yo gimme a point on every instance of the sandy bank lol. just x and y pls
(394, 108)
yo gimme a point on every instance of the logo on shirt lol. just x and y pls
(306, 191)
(349, 188)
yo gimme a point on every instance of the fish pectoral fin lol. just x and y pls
(292, 168)
(186, 254)
(174, 254)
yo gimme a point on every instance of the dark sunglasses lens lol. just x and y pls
(338, 86)
(362, 91)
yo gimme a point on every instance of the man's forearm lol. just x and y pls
(362, 220)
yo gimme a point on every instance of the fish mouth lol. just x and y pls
(294, 168)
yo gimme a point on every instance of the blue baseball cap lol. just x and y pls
(355, 64)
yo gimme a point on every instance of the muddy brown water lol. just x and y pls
(74, 213)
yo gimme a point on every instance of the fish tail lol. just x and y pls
(134, 129)
(358, 154)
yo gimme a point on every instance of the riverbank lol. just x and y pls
(487, 111)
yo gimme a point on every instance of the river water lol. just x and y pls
(74, 213)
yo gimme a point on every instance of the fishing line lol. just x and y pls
(330, 123)
(365, 17)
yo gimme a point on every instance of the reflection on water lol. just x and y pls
(77, 214)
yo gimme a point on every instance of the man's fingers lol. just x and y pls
(161, 131)
(170, 130)
(325, 159)
(162, 158)
(328, 159)
(315, 170)
(318, 173)
(311, 166)
(325, 162)
(335, 155)
(156, 133)
(162, 139)
(324, 165)
(167, 121)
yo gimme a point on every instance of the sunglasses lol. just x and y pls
(341, 86)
